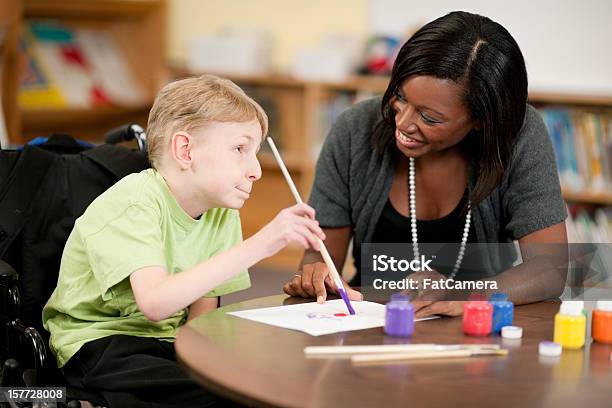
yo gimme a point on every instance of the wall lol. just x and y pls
(566, 43)
(293, 23)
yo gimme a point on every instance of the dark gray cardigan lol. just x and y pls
(352, 184)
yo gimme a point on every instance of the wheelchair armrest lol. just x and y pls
(10, 300)
(7, 272)
(37, 344)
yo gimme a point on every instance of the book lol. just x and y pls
(4, 140)
(582, 141)
(587, 226)
(109, 68)
(75, 68)
(37, 88)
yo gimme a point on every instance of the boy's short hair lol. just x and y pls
(191, 103)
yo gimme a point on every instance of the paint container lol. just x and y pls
(549, 349)
(512, 332)
(570, 324)
(399, 316)
(601, 327)
(503, 311)
(477, 318)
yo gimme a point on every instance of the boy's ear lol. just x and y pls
(180, 145)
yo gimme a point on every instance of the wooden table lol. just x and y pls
(261, 365)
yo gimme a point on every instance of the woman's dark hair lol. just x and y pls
(483, 58)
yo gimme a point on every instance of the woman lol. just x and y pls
(453, 142)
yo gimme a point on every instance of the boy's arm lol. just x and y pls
(159, 295)
(201, 306)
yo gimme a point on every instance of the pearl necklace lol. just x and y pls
(413, 222)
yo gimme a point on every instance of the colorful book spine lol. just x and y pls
(582, 143)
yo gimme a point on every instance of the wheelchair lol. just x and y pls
(39, 202)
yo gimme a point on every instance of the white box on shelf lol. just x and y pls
(232, 52)
(334, 59)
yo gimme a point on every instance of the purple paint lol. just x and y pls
(399, 316)
(320, 316)
(346, 301)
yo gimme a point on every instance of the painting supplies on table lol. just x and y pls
(389, 358)
(477, 318)
(601, 328)
(511, 332)
(318, 319)
(549, 349)
(570, 325)
(324, 253)
(398, 353)
(388, 349)
(503, 312)
(399, 316)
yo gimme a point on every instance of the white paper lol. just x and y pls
(318, 319)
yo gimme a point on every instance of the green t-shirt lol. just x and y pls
(134, 224)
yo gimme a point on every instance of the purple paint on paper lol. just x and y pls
(313, 315)
(346, 300)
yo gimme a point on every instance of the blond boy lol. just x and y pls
(160, 246)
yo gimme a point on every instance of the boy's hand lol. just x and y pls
(293, 224)
(315, 281)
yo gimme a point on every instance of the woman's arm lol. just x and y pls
(314, 280)
(533, 195)
(541, 275)
(543, 272)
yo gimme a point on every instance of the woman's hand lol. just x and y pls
(424, 308)
(425, 293)
(315, 281)
(428, 302)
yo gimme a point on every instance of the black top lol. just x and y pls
(393, 227)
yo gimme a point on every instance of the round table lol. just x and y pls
(262, 365)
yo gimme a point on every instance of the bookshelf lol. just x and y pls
(297, 107)
(587, 198)
(581, 130)
(10, 27)
(601, 108)
(138, 28)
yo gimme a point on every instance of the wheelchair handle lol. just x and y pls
(127, 133)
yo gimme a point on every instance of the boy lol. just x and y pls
(160, 246)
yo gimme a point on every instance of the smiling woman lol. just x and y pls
(452, 153)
